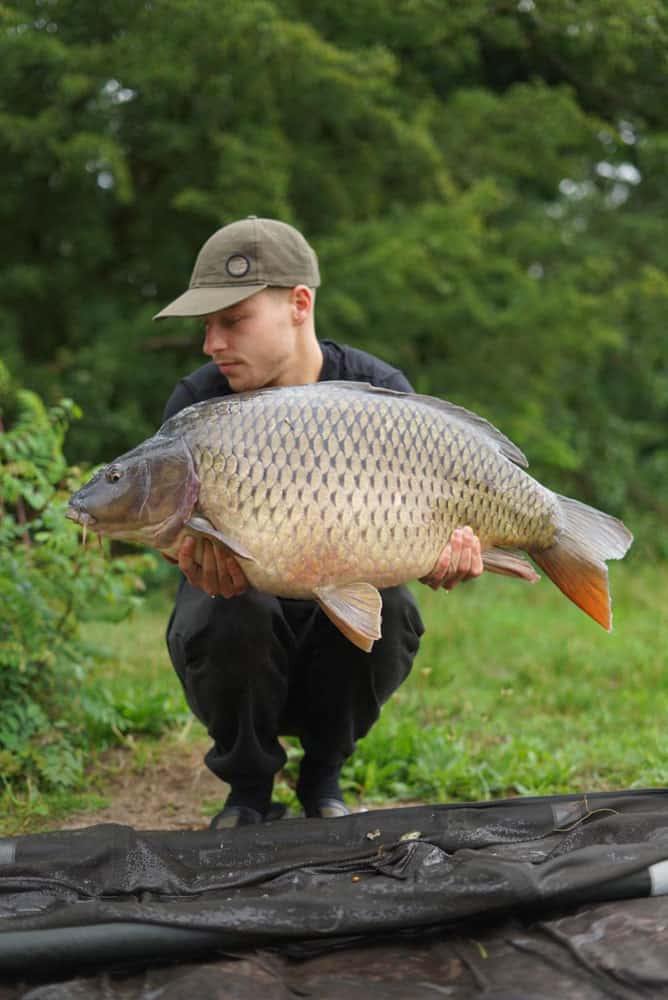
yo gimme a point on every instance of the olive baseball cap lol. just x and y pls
(241, 259)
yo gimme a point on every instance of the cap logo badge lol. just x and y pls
(237, 265)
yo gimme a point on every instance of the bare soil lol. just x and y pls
(169, 790)
(162, 786)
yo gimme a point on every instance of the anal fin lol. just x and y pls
(355, 609)
(509, 562)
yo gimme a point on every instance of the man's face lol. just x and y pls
(253, 342)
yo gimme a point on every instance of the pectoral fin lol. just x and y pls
(199, 527)
(355, 609)
(509, 562)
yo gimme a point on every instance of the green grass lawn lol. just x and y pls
(514, 691)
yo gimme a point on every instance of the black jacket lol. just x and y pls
(340, 363)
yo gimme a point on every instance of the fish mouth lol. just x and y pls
(80, 516)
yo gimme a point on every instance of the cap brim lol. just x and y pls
(202, 301)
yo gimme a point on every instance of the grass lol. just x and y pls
(517, 692)
(133, 698)
(138, 681)
(514, 691)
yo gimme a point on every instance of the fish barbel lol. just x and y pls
(331, 491)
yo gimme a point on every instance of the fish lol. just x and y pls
(335, 490)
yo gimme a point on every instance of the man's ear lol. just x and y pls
(302, 303)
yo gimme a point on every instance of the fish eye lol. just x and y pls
(114, 475)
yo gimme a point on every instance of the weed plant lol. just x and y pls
(49, 715)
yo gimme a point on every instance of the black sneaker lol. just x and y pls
(327, 809)
(233, 816)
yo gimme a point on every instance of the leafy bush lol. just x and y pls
(49, 583)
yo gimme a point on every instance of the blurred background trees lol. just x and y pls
(484, 184)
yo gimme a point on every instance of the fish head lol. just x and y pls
(145, 495)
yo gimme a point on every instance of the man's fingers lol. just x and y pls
(461, 553)
(185, 555)
(217, 574)
(455, 561)
(477, 567)
(186, 561)
(222, 576)
(435, 578)
(466, 560)
(210, 581)
(237, 575)
(230, 578)
(466, 553)
(454, 575)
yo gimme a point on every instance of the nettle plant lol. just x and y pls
(49, 584)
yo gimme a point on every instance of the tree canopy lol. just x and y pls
(483, 183)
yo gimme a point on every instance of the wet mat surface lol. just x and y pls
(559, 896)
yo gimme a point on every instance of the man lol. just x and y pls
(254, 666)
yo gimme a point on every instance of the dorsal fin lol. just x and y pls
(493, 435)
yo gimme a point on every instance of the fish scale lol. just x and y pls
(333, 490)
(262, 500)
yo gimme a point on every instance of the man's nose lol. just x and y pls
(214, 339)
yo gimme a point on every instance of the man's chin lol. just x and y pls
(234, 375)
(242, 382)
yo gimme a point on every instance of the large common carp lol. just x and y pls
(330, 491)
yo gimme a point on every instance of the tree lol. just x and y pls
(483, 183)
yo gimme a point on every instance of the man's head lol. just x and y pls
(253, 286)
(244, 258)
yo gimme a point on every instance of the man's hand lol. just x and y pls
(459, 561)
(216, 572)
(220, 574)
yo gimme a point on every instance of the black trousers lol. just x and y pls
(254, 667)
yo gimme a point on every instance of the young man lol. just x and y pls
(254, 666)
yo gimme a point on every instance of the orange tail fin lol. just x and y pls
(576, 562)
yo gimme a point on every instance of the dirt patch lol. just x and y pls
(165, 788)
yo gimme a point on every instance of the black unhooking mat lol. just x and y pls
(524, 898)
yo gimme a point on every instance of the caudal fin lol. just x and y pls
(576, 562)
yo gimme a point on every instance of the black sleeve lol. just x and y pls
(396, 380)
(181, 397)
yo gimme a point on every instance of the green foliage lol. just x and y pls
(484, 184)
(48, 584)
(514, 691)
